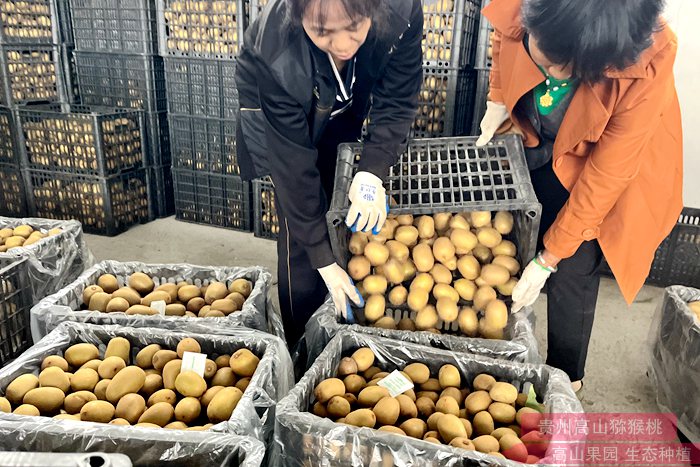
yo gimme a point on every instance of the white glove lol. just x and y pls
(530, 285)
(369, 206)
(496, 114)
(341, 287)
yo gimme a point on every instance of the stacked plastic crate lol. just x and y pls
(199, 40)
(30, 71)
(118, 66)
(482, 67)
(446, 98)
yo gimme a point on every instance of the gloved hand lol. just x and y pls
(530, 285)
(369, 206)
(496, 114)
(341, 286)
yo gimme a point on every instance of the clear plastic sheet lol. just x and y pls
(54, 459)
(521, 345)
(253, 417)
(674, 367)
(54, 261)
(303, 439)
(258, 311)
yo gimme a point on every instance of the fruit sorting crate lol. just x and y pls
(13, 199)
(158, 138)
(104, 205)
(70, 74)
(266, 222)
(122, 26)
(200, 87)
(65, 23)
(444, 103)
(31, 74)
(8, 141)
(302, 438)
(15, 301)
(27, 22)
(218, 446)
(90, 140)
(447, 175)
(212, 199)
(450, 30)
(677, 260)
(480, 98)
(204, 144)
(121, 80)
(201, 28)
(483, 53)
(674, 368)
(160, 179)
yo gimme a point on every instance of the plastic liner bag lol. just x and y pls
(54, 261)
(258, 311)
(521, 344)
(254, 415)
(674, 367)
(303, 439)
(54, 459)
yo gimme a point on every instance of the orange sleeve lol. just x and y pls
(495, 93)
(616, 158)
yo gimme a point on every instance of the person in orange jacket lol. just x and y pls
(589, 85)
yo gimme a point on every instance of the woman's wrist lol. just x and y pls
(549, 259)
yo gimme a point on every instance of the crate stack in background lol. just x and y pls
(482, 68)
(31, 71)
(117, 64)
(199, 40)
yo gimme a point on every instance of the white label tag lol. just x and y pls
(396, 383)
(159, 306)
(192, 361)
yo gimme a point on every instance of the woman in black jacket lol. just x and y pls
(309, 74)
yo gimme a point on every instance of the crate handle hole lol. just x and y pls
(531, 214)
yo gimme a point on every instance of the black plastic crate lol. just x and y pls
(450, 30)
(12, 192)
(201, 28)
(80, 139)
(70, 74)
(204, 144)
(31, 74)
(65, 23)
(201, 87)
(8, 137)
(253, 9)
(104, 205)
(26, 22)
(15, 301)
(445, 103)
(160, 179)
(266, 222)
(115, 26)
(213, 199)
(158, 138)
(121, 80)
(448, 175)
(480, 97)
(482, 57)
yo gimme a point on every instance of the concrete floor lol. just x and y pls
(615, 380)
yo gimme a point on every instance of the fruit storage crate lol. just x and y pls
(204, 144)
(677, 260)
(70, 74)
(120, 80)
(448, 175)
(31, 74)
(450, 29)
(115, 26)
(26, 22)
(482, 58)
(15, 301)
(201, 28)
(65, 23)
(445, 103)
(91, 140)
(158, 138)
(212, 199)
(200, 87)
(104, 205)
(8, 137)
(266, 222)
(160, 179)
(302, 438)
(13, 199)
(480, 97)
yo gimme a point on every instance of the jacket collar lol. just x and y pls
(506, 17)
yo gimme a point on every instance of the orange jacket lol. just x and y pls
(618, 152)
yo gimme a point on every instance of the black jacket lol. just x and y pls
(287, 90)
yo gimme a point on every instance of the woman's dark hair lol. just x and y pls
(354, 8)
(592, 35)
